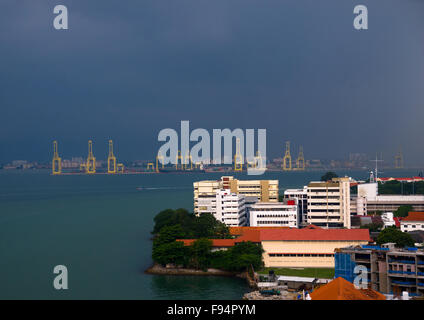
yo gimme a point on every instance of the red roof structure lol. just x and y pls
(215, 242)
(310, 233)
(315, 235)
(414, 216)
(341, 289)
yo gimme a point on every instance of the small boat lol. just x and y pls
(140, 188)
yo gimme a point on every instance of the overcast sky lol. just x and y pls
(127, 69)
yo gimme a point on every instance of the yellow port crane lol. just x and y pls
(287, 160)
(57, 161)
(179, 157)
(90, 166)
(150, 166)
(258, 161)
(162, 160)
(111, 160)
(121, 168)
(399, 159)
(238, 159)
(300, 161)
(188, 160)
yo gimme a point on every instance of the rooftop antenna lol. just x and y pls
(376, 165)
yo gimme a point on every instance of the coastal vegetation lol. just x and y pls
(171, 225)
(394, 235)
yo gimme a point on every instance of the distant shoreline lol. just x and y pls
(157, 269)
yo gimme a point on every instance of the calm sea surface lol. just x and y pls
(99, 227)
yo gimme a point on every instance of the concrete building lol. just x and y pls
(413, 222)
(274, 214)
(230, 208)
(388, 219)
(262, 190)
(302, 200)
(225, 206)
(308, 247)
(329, 203)
(369, 201)
(390, 270)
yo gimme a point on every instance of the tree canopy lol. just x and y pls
(403, 211)
(328, 176)
(180, 224)
(192, 226)
(392, 234)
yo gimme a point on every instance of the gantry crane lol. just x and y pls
(188, 160)
(178, 157)
(90, 166)
(258, 161)
(150, 166)
(121, 168)
(111, 160)
(159, 157)
(57, 161)
(399, 160)
(238, 158)
(287, 160)
(300, 161)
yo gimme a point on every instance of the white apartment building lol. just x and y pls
(274, 214)
(413, 222)
(329, 203)
(369, 201)
(302, 199)
(230, 208)
(262, 190)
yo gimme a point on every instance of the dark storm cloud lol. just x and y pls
(127, 69)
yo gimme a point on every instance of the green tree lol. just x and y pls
(173, 252)
(171, 217)
(244, 254)
(328, 176)
(168, 234)
(201, 253)
(373, 227)
(392, 234)
(403, 211)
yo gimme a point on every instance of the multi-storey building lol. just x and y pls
(302, 200)
(274, 214)
(329, 203)
(310, 247)
(389, 270)
(262, 190)
(230, 208)
(369, 201)
(413, 222)
(225, 206)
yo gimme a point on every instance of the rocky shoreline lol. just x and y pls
(158, 269)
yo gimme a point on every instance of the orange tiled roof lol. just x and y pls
(215, 242)
(237, 231)
(414, 216)
(341, 289)
(311, 233)
(315, 235)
